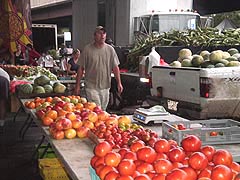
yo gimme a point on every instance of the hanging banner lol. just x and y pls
(15, 25)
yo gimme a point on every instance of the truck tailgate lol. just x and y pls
(180, 84)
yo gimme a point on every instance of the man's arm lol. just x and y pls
(78, 79)
(116, 73)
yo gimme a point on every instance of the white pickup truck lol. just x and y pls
(198, 93)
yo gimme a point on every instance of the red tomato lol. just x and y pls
(208, 151)
(205, 173)
(213, 133)
(222, 156)
(191, 143)
(177, 174)
(146, 154)
(162, 145)
(112, 175)
(126, 167)
(123, 151)
(143, 168)
(93, 160)
(136, 145)
(159, 177)
(198, 161)
(142, 177)
(221, 172)
(176, 155)
(112, 159)
(161, 156)
(125, 177)
(172, 143)
(235, 166)
(103, 172)
(130, 155)
(99, 161)
(191, 173)
(163, 166)
(102, 148)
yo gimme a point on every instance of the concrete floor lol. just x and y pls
(16, 160)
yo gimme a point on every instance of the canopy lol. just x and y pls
(226, 24)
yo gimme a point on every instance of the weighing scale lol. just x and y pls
(155, 114)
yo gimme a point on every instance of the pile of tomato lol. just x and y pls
(164, 160)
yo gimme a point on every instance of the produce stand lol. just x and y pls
(75, 154)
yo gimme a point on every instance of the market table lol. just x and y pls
(75, 154)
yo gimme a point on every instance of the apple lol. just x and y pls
(82, 132)
(92, 116)
(70, 133)
(40, 113)
(63, 123)
(58, 134)
(66, 99)
(45, 104)
(56, 107)
(83, 100)
(103, 115)
(97, 109)
(74, 100)
(77, 123)
(84, 113)
(88, 124)
(60, 103)
(71, 116)
(49, 108)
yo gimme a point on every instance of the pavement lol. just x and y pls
(16, 160)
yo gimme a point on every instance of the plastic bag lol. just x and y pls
(154, 59)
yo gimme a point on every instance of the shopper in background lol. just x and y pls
(4, 94)
(19, 56)
(72, 66)
(31, 55)
(98, 60)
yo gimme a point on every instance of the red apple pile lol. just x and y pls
(165, 160)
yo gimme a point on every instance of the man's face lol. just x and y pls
(100, 36)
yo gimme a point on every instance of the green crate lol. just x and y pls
(49, 154)
(226, 131)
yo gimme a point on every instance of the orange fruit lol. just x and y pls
(48, 99)
(31, 105)
(37, 99)
(79, 106)
(52, 114)
(47, 121)
(62, 112)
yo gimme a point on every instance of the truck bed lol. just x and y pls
(187, 87)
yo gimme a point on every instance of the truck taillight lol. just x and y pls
(205, 87)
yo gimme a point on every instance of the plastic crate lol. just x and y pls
(49, 154)
(93, 174)
(52, 169)
(213, 131)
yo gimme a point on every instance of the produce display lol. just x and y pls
(27, 73)
(42, 84)
(205, 38)
(164, 160)
(206, 59)
(128, 151)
